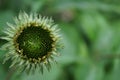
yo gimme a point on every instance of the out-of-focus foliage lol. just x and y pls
(91, 36)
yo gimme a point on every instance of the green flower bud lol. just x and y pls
(32, 42)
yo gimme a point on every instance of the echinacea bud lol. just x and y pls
(32, 42)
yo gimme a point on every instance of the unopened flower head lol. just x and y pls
(32, 42)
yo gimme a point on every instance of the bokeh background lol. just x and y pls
(91, 36)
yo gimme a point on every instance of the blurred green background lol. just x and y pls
(90, 30)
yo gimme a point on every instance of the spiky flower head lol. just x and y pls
(32, 42)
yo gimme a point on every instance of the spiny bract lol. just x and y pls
(32, 42)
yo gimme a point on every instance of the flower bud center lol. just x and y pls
(35, 42)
